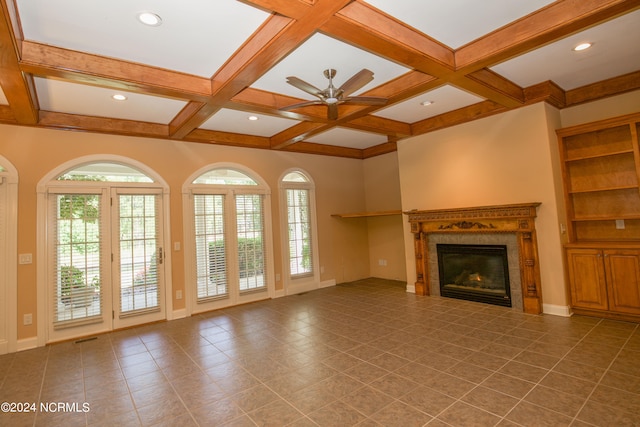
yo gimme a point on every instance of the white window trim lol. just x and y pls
(9, 270)
(295, 285)
(188, 190)
(42, 220)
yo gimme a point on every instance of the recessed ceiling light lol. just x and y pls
(150, 19)
(119, 97)
(253, 118)
(426, 103)
(582, 46)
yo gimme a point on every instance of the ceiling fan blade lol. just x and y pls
(304, 86)
(357, 81)
(300, 105)
(332, 114)
(366, 100)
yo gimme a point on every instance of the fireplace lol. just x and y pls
(475, 273)
(513, 225)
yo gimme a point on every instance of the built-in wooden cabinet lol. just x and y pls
(605, 279)
(601, 174)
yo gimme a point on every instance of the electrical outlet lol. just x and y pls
(25, 259)
(619, 224)
(178, 294)
(27, 319)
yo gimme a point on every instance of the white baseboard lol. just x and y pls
(557, 310)
(411, 288)
(279, 294)
(27, 344)
(327, 283)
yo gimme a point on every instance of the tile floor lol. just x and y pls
(365, 353)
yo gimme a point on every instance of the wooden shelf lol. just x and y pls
(612, 188)
(368, 214)
(605, 218)
(599, 155)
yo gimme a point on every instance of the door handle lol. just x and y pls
(160, 256)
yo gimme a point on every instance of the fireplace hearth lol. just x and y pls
(475, 273)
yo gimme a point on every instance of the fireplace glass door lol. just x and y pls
(474, 272)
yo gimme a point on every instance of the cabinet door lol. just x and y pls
(587, 278)
(623, 279)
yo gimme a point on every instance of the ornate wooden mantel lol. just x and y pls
(517, 218)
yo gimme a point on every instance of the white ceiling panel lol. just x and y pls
(457, 22)
(196, 36)
(442, 100)
(3, 98)
(349, 138)
(235, 121)
(72, 98)
(615, 51)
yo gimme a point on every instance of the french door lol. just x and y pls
(106, 260)
(230, 247)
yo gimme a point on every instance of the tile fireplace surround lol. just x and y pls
(504, 222)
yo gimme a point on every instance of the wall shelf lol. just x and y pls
(368, 214)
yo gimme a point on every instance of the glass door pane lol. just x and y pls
(77, 241)
(211, 257)
(250, 232)
(140, 254)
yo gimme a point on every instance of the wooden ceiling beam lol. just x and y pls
(17, 86)
(50, 61)
(326, 150)
(610, 87)
(6, 115)
(379, 150)
(553, 22)
(488, 84)
(77, 122)
(228, 138)
(372, 30)
(381, 125)
(274, 40)
(295, 9)
(360, 25)
(456, 117)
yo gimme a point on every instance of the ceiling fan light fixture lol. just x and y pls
(331, 100)
(582, 46)
(149, 18)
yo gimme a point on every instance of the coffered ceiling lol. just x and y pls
(210, 65)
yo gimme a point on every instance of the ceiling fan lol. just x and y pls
(332, 96)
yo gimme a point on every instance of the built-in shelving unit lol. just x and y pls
(601, 173)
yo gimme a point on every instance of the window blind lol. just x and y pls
(75, 276)
(251, 244)
(211, 247)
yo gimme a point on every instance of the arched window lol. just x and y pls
(104, 250)
(298, 201)
(228, 255)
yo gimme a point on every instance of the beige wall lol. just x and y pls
(385, 233)
(339, 188)
(508, 158)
